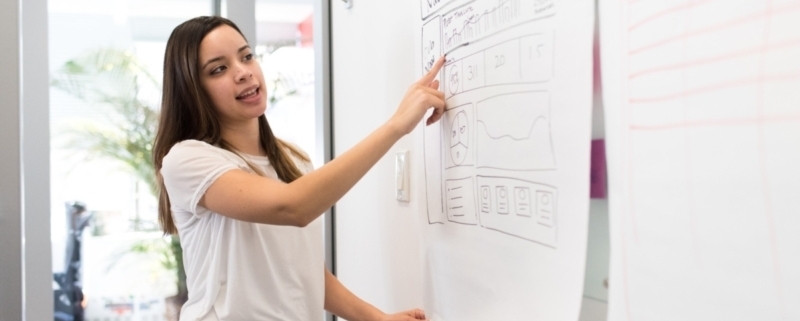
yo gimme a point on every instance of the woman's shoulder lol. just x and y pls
(188, 148)
(192, 149)
(192, 144)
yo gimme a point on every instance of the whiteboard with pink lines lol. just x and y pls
(702, 103)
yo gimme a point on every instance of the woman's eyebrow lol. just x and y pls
(220, 57)
(210, 61)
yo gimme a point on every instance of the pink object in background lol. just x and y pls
(306, 28)
(597, 185)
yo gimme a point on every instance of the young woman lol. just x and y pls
(246, 204)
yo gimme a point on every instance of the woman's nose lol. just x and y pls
(243, 74)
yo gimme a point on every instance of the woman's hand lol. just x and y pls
(422, 95)
(410, 315)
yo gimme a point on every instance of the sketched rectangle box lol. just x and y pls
(521, 208)
(522, 142)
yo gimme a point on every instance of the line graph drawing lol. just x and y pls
(524, 144)
(506, 206)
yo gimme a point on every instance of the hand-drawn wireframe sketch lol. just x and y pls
(536, 57)
(520, 143)
(506, 167)
(431, 42)
(526, 59)
(452, 79)
(429, 7)
(517, 207)
(461, 201)
(480, 19)
(458, 124)
(477, 137)
(459, 138)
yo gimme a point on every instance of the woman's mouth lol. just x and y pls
(248, 94)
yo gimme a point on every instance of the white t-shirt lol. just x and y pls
(237, 270)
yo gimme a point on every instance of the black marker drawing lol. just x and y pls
(459, 196)
(429, 7)
(521, 60)
(485, 158)
(480, 19)
(431, 40)
(519, 208)
(459, 136)
(520, 143)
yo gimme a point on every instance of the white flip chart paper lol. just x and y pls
(702, 103)
(507, 167)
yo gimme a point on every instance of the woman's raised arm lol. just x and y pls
(249, 197)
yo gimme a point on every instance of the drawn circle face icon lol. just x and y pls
(545, 199)
(459, 138)
(453, 80)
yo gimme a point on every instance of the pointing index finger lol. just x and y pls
(425, 80)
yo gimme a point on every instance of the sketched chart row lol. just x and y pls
(527, 59)
(508, 205)
(474, 22)
(482, 19)
(487, 137)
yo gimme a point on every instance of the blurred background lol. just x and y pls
(110, 259)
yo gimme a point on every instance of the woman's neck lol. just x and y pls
(244, 137)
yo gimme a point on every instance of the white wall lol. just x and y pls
(377, 238)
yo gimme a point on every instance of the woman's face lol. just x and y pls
(231, 76)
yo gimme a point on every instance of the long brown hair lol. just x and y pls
(187, 113)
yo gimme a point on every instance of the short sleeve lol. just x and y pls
(188, 170)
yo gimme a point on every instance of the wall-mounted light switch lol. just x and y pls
(401, 176)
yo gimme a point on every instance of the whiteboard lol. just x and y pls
(507, 167)
(703, 147)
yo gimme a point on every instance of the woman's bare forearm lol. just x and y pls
(344, 304)
(317, 191)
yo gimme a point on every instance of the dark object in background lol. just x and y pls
(597, 185)
(68, 297)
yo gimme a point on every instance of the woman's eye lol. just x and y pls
(248, 57)
(217, 70)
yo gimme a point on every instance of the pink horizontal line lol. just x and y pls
(707, 60)
(720, 122)
(714, 87)
(655, 16)
(732, 23)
